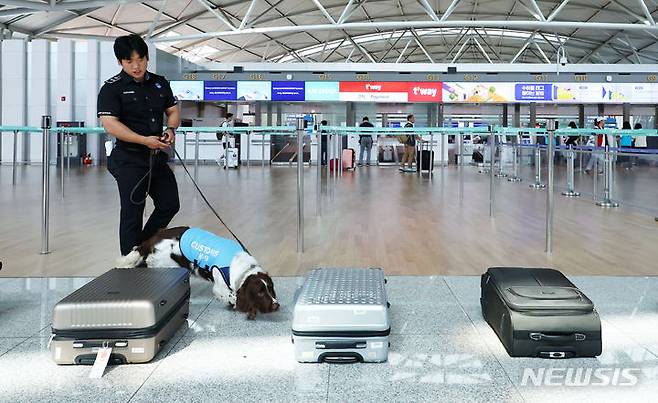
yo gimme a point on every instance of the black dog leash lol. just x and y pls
(149, 175)
(208, 203)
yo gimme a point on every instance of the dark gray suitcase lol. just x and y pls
(134, 311)
(539, 313)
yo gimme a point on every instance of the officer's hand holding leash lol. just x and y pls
(154, 142)
(169, 135)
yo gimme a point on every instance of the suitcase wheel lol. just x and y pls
(388, 304)
(163, 302)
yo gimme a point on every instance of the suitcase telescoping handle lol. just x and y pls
(558, 338)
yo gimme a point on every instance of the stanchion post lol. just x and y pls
(185, 147)
(515, 163)
(596, 176)
(300, 186)
(607, 181)
(196, 156)
(570, 192)
(492, 148)
(60, 135)
(432, 154)
(68, 160)
(248, 148)
(339, 145)
(45, 181)
(500, 173)
(262, 149)
(14, 162)
(538, 183)
(549, 194)
(318, 189)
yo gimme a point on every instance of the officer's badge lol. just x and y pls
(158, 85)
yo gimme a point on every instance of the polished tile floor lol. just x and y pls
(441, 350)
(375, 216)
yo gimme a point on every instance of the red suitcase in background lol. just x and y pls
(349, 159)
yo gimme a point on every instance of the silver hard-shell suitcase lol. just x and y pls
(133, 311)
(341, 315)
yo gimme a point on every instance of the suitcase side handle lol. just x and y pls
(340, 358)
(536, 336)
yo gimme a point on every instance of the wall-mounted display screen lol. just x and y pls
(187, 90)
(373, 91)
(322, 90)
(254, 90)
(533, 92)
(220, 90)
(403, 91)
(478, 92)
(288, 91)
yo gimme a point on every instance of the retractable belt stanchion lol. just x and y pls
(318, 199)
(339, 145)
(68, 160)
(549, 193)
(607, 181)
(538, 183)
(501, 173)
(248, 148)
(45, 180)
(432, 158)
(262, 149)
(419, 160)
(300, 186)
(196, 156)
(228, 145)
(13, 161)
(61, 138)
(570, 192)
(185, 147)
(492, 147)
(515, 163)
(595, 191)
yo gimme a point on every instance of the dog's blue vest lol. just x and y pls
(208, 250)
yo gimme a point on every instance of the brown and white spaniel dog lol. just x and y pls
(250, 288)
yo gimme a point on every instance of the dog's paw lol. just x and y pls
(131, 260)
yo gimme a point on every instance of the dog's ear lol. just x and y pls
(244, 302)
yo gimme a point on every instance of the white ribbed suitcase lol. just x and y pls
(341, 315)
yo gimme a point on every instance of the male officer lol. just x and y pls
(131, 107)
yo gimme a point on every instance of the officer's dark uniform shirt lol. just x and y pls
(138, 105)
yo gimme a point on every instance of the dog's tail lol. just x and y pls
(131, 260)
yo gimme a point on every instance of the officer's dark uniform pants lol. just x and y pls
(128, 168)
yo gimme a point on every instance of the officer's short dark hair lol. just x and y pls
(228, 115)
(125, 45)
(365, 119)
(323, 123)
(409, 116)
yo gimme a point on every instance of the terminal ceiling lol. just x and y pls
(402, 31)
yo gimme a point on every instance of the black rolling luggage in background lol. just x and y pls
(539, 313)
(425, 160)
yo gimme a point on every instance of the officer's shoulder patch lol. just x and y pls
(113, 80)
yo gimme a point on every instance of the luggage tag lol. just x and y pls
(102, 359)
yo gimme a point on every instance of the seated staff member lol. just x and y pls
(131, 107)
